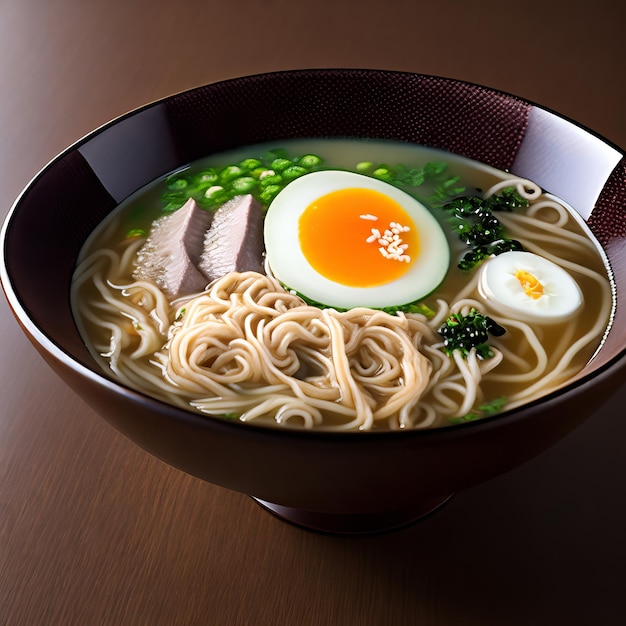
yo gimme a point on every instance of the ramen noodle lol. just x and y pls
(340, 318)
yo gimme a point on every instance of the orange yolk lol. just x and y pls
(358, 237)
(530, 284)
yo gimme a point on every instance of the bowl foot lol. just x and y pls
(358, 523)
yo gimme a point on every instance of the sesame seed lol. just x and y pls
(390, 243)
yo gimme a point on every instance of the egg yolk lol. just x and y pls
(358, 237)
(530, 284)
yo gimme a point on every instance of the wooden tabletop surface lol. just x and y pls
(94, 531)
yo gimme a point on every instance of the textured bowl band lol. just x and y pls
(426, 110)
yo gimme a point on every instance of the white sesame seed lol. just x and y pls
(390, 242)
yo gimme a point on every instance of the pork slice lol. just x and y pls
(170, 255)
(234, 242)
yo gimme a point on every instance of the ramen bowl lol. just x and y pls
(341, 482)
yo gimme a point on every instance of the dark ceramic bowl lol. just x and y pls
(350, 482)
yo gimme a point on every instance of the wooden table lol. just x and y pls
(93, 531)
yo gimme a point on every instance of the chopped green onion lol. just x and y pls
(293, 171)
(249, 165)
(382, 173)
(205, 177)
(309, 161)
(229, 173)
(245, 184)
(278, 165)
(269, 193)
(212, 191)
(176, 183)
(271, 179)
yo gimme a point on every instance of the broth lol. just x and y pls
(400, 375)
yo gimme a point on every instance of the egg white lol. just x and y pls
(561, 298)
(289, 265)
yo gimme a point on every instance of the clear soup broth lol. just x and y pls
(496, 295)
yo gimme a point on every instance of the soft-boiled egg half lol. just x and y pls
(348, 240)
(529, 287)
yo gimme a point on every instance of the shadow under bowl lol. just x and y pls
(337, 482)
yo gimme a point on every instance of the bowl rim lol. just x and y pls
(47, 346)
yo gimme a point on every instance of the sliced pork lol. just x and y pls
(170, 255)
(234, 242)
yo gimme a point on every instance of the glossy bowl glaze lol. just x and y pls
(343, 482)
